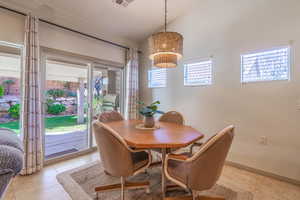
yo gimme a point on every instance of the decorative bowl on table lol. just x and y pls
(142, 127)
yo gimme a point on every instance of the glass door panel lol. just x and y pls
(107, 92)
(66, 109)
(10, 88)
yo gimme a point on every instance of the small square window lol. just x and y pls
(267, 65)
(198, 73)
(157, 78)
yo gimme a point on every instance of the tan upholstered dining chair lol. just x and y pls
(118, 159)
(110, 116)
(177, 118)
(202, 170)
(172, 117)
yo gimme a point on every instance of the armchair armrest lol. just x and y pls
(177, 160)
(177, 157)
(142, 150)
(138, 150)
(197, 144)
(149, 158)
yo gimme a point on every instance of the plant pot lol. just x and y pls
(149, 122)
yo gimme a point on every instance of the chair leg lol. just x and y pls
(194, 195)
(97, 196)
(122, 187)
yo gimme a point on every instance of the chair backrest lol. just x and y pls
(172, 117)
(114, 152)
(109, 116)
(206, 165)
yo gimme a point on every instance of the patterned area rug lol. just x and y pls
(80, 182)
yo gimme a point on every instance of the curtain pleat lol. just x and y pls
(31, 107)
(132, 84)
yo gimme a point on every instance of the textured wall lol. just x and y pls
(225, 29)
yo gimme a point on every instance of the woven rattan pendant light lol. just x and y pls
(166, 47)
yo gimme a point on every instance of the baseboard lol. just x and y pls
(264, 173)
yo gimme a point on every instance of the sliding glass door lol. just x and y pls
(10, 87)
(107, 92)
(66, 109)
(74, 96)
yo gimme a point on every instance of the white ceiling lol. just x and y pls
(103, 18)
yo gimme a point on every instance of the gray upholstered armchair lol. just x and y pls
(11, 158)
(202, 170)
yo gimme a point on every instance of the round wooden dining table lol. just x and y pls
(166, 137)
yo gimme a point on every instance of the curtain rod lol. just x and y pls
(69, 29)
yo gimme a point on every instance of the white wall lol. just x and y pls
(12, 30)
(57, 38)
(225, 29)
(11, 27)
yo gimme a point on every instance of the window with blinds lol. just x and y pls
(198, 73)
(266, 65)
(157, 78)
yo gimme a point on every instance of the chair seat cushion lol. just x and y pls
(140, 159)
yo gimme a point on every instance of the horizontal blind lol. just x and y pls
(157, 78)
(198, 73)
(266, 65)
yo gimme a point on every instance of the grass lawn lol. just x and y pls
(52, 124)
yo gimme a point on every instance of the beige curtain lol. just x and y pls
(31, 123)
(132, 84)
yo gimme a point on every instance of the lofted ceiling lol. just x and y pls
(104, 18)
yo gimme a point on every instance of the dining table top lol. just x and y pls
(167, 135)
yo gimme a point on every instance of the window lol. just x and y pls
(10, 87)
(157, 78)
(266, 65)
(198, 73)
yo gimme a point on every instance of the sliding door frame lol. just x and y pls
(91, 65)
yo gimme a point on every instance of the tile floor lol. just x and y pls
(44, 186)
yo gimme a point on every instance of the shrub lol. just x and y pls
(55, 93)
(14, 111)
(56, 109)
(1, 91)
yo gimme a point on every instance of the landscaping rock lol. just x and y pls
(4, 107)
(60, 99)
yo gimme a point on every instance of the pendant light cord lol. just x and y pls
(166, 13)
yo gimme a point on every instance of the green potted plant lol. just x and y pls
(148, 111)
